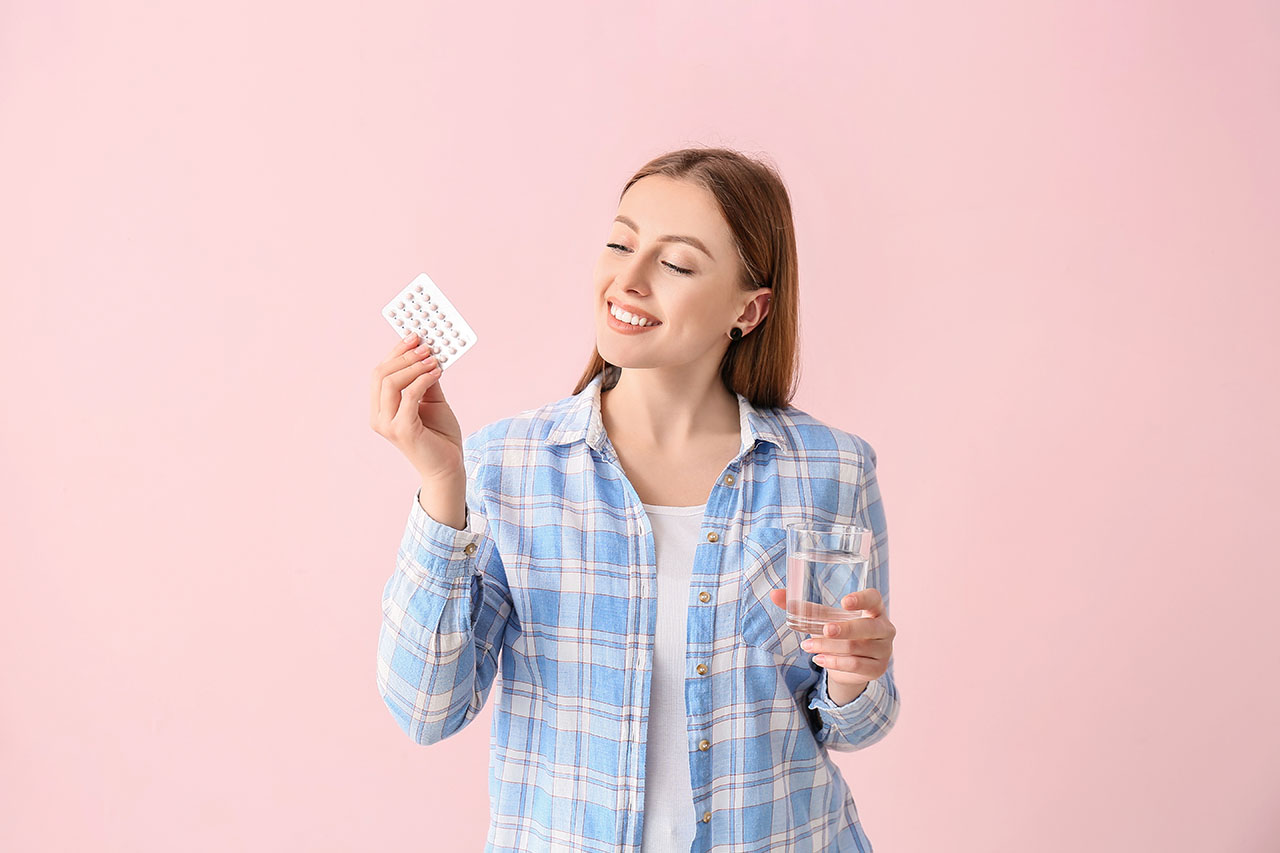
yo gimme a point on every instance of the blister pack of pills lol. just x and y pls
(423, 308)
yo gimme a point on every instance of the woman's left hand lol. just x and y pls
(855, 651)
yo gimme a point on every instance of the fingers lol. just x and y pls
(804, 608)
(393, 361)
(856, 664)
(392, 376)
(412, 394)
(867, 600)
(859, 629)
(865, 628)
(399, 382)
(403, 345)
(873, 649)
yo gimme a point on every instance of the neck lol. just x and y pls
(661, 408)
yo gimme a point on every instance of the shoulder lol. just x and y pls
(525, 430)
(811, 437)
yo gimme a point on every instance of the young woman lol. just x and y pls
(620, 554)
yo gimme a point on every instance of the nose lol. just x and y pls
(632, 280)
(631, 275)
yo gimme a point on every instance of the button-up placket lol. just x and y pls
(724, 503)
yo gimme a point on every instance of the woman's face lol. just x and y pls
(670, 256)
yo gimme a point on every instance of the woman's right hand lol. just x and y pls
(408, 409)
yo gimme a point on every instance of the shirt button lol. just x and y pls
(713, 537)
(702, 669)
(728, 479)
(704, 745)
(704, 596)
(470, 549)
(706, 817)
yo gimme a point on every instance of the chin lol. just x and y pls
(610, 355)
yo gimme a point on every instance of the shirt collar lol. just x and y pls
(580, 420)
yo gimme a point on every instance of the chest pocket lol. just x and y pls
(764, 568)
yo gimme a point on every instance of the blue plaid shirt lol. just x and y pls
(554, 581)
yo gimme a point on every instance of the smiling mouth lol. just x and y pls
(648, 324)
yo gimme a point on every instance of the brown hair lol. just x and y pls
(763, 366)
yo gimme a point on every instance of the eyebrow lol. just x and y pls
(670, 238)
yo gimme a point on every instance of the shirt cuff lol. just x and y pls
(435, 549)
(851, 716)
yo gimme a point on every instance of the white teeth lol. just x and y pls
(627, 317)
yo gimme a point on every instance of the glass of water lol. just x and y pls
(825, 562)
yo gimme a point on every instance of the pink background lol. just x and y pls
(1039, 265)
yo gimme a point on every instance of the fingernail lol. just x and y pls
(807, 645)
(408, 337)
(830, 630)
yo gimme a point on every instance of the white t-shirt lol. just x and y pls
(669, 820)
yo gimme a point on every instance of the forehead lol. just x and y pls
(662, 205)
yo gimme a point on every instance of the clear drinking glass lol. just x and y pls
(825, 562)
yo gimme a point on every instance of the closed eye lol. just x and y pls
(680, 270)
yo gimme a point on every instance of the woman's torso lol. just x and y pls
(564, 510)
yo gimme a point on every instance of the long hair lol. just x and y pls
(763, 366)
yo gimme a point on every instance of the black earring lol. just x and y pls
(735, 333)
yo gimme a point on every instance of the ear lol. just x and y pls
(757, 309)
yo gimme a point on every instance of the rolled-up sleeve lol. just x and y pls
(869, 717)
(446, 611)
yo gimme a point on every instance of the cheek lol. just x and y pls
(599, 280)
(707, 317)
(601, 267)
